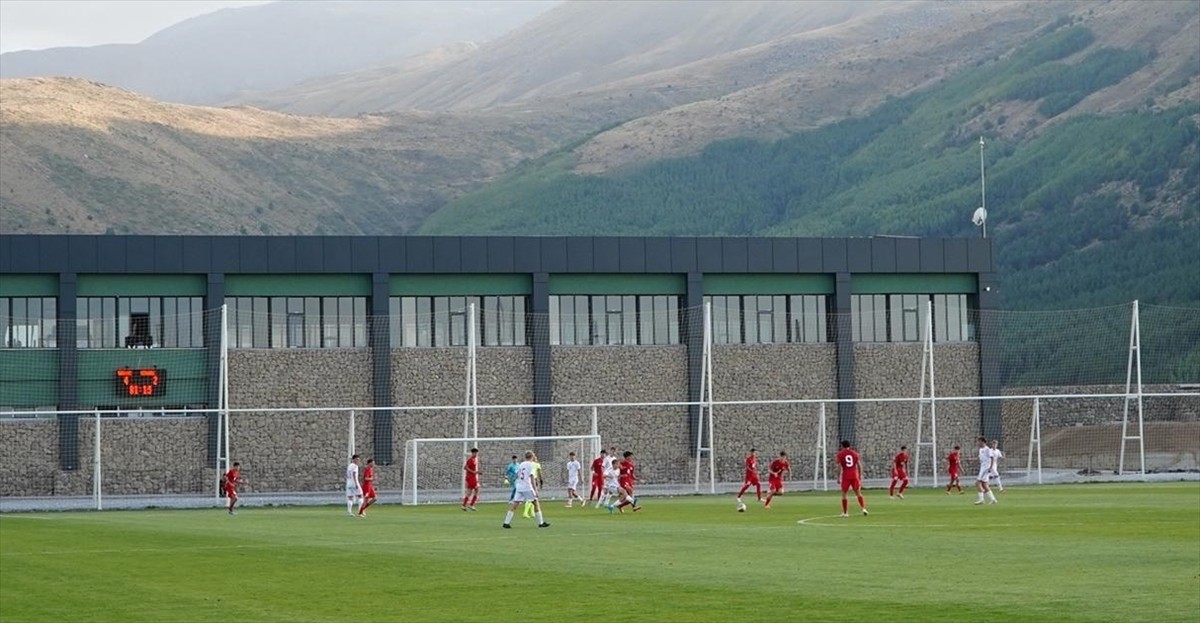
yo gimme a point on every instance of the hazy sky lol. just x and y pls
(35, 25)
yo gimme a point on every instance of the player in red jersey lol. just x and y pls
(899, 473)
(751, 479)
(953, 460)
(851, 476)
(368, 484)
(625, 482)
(471, 467)
(233, 478)
(775, 472)
(597, 477)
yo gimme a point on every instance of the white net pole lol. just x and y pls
(1035, 439)
(820, 469)
(350, 445)
(708, 365)
(473, 340)
(932, 395)
(97, 477)
(223, 398)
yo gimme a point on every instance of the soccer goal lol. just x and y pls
(433, 468)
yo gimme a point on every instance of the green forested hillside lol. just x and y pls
(1085, 210)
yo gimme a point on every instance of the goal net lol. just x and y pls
(433, 468)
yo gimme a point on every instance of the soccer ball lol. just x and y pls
(741, 508)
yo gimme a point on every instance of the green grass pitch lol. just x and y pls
(1128, 552)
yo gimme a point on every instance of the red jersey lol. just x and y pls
(952, 459)
(849, 461)
(598, 468)
(752, 464)
(471, 466)
(231, 478)
(368, 477)
(900, 460)
(778, 466)
(627, 470)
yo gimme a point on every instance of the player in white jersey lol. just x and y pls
(573, 469)
(997, 456)
(525, 491)
(353, 487)
(986, 464)
(612, 486)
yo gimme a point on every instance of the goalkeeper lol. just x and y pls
(510, 477)
(527, 511)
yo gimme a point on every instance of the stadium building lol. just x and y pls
(131, 326)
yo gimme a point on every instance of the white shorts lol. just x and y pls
(611, 488)
(524, 496)
(353, 491)
(985, 474)
(573, 483)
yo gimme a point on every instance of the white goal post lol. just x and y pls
(433, 467)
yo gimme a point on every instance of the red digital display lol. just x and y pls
(141, 382)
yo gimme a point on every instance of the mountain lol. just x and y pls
(208, 59)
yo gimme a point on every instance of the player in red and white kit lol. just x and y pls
(775, 472)
(471, 467)
(233, 478)
(751, 479)
(899, 473)
(368, 486)
(851, 476)
(625, 481)
(954, 464)
(597, 478)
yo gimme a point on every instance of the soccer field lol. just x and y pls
(1128, 552)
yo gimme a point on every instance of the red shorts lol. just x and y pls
(899, 474)
(954, 474)
(851, 483)
(626, 485)
(230, 492)
(369, 492)
(776, 484)
(752, 478)
(597, 481)
(472, 482)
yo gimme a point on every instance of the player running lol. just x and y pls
(612, 487)
(597, 478)
(233, 478)
(997, 456)
(775, 472)
(525, 491)
(541, 483)
(368, 483)
(899, 473)
(471, 467)
(953, 462)
(354, 490)
(986, 464)
(573, 469)
(625, 480)
(851, 476)
(751, 480)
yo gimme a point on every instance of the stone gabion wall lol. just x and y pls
(771, 372)
(437, 377)
(659, 436)
(893, 370)
(298, 451)
(142, 456)
(28, 457)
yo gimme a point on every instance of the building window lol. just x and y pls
(614, 319)
(29, 322)
(437, 321)
(901, 317)
(297, 321)
(774, 319)
(139, 322)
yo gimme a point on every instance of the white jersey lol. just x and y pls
(608, 462)
(525, 475)
(610, 477)
(353, 487)
(985, 463)
(996, 456)
(573, 468)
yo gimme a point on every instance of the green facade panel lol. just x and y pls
(721, 284)
(913, 283)
(141, 285)
(29, 285)
(611, 283)
(185, 373)
(297, 285)
(28, 377)
(460, 285)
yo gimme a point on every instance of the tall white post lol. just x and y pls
(1035, 439)
(1134, 364)
(708, 364)
(223, 402)
(820, 462)
(927, 373)
(473, 340)
(350, 445)
(97, 477)
(413, 472)
(982, 193)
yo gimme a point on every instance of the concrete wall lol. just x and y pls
(771, 372)
(889, 370)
